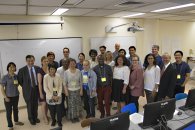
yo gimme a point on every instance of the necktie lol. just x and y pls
(32, 78)
(162, 71)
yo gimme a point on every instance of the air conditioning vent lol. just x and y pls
(129, 2)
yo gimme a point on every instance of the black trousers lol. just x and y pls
(89, 104)
(32, 105)
(55, 109)
(9, 106)
(134, 99)
(63, 109)
(179, 89)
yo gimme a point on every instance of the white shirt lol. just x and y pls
(112, 63)
(122, 73)
(151, 77)
(167, 65)
(48, 82)
(73, 81)
(34, 73)
(92, 64)
(61, 71)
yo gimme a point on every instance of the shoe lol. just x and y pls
(102, 116)
(88, 116)
(19, 123)
(37, 120)
(77, 120)
(114, 108)
(11, 128)
(46, 121)
(53, 123)
(107, 115)
(59, 124)
(73, 121)
(32, 122)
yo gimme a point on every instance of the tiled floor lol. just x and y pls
(67, 125)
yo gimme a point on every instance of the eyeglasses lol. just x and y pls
(65, 52)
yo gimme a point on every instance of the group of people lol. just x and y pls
(65, 88)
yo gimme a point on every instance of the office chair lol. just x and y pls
(131, 108)
(180, 96)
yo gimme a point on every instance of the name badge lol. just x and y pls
(178, 76)
(103, 79)
(73, 83)
(15, 82)
(85, 79)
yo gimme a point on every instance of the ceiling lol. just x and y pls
(101, 8)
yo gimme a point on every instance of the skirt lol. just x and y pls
(74, 104)
(117, 87)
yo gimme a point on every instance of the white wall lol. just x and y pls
(86, 27)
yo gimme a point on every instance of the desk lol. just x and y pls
(184, 114)
(175, 123)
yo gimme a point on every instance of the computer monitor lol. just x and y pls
(116, 122)
(190, 102)
(156, 114)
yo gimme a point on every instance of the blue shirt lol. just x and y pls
(159, 61)
(85, 85)
(79, 66)
(11, 85)
(33, 69)
(182, 69)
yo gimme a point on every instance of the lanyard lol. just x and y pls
(179, 68)
(102, 74)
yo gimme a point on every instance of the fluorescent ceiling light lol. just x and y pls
(133, 15)
(174, 7)
(60, 11)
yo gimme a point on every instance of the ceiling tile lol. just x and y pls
(46, 2)
(177, 11)
(41, 10)
(12, 9)
(149, 1)
(77, 12)
(114, 6)
(96, 3)
(155, 6)
(102, 12)
(121, 14)
(12, 2)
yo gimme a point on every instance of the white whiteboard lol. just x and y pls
(16, 50)
(109, 42)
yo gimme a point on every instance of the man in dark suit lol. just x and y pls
(167, 80)
(27, 77)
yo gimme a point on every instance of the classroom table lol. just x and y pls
(177, 121)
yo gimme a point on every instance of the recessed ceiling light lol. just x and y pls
(133, 15)
(174, 7)
(60, 11)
